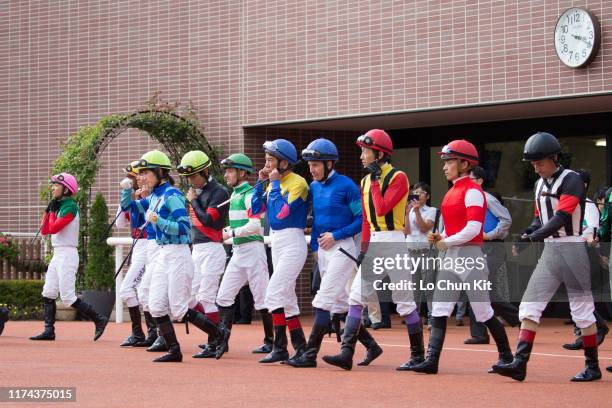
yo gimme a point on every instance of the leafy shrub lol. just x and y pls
(23, 298)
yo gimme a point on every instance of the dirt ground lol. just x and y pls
(106, 375)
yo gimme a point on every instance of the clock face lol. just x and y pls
(577, 37)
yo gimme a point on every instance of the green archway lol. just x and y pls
(177, 133)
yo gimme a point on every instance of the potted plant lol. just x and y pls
(100, 267)
(9, 249)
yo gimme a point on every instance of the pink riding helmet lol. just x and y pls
(67, 180)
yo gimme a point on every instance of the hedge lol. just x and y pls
(22, 298)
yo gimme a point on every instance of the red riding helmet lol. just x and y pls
(376, 139)
(460, 149)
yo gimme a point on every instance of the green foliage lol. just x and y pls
(99, 270)
(178, 133)
(8, 248)
(30, 265)
(79, 155)
(22, 298)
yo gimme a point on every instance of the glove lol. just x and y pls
(126, 184)
(360, 258)
(433, 237)
(228, 233)
(151, 217)
(374, 170)
(53, 206)
(522, 243)
(441, 245)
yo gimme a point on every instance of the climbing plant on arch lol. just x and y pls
(177, 133)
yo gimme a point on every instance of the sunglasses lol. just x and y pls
(366, 140)
(189, 170)
(269, 146)
(369, 142)
(315, 154)
(448, 154)
(142, 163)
(131, 169)
(57, 179)
(228, 163)
(447, 150)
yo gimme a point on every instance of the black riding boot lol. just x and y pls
(226, 315)
(591, 370)
(137, 335)
(517, 369)
(417, 351)
(166, 330)
(344, 360)
(309, 357)
(159, 344)
(218, 335)
(279, 346)
(4, 317)
(209, 349)
(501, 340)
(87, 310)
(436, 341)
(268, 327)
(151, 332)
(373, 350)
(298, 339)
(49, 316)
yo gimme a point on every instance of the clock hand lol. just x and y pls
(581, 38)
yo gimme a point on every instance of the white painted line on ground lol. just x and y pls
(580, 356)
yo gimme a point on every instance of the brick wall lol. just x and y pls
(315, 59)
(67, 63)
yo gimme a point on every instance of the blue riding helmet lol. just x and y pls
(282, 149)
(320, 150)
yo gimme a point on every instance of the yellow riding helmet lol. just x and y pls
(132, 168)
(154, 160)
(193, 162)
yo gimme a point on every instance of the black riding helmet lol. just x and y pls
(540, 146)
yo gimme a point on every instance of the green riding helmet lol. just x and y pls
(193, 162)
(238, 161)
